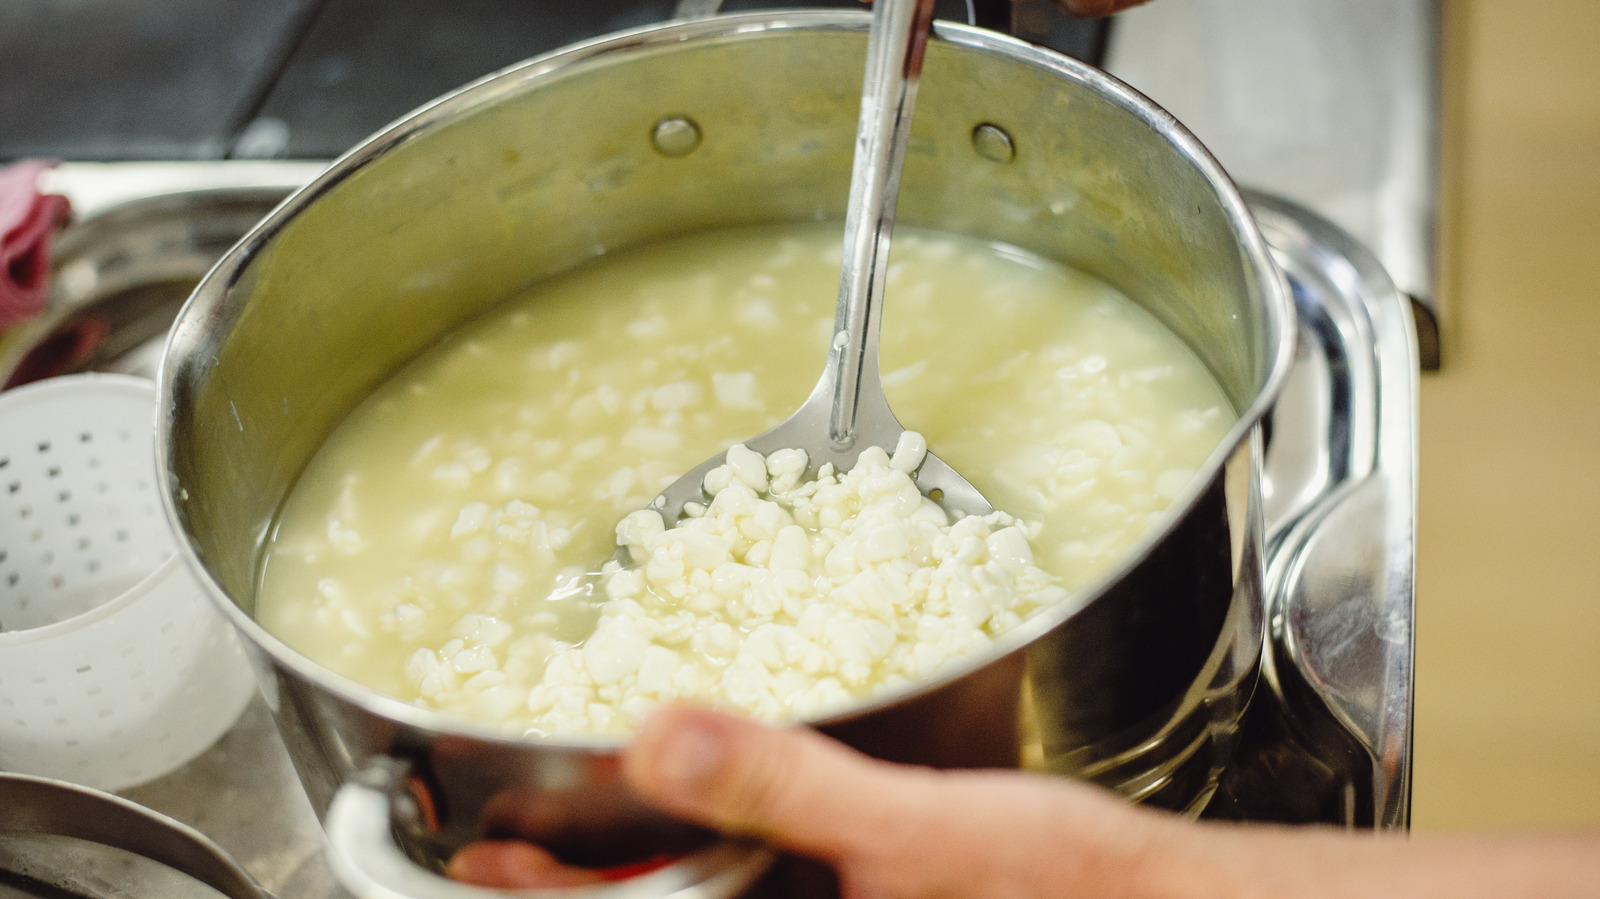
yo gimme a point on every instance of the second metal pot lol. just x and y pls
(688, 127)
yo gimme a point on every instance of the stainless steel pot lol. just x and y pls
(680, 128)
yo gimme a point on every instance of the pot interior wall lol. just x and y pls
(533, 172)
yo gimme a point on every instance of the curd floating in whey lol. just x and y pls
(445, 544)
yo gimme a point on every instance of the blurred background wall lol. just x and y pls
(1508, 580)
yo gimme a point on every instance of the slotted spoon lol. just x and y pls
(847, 410)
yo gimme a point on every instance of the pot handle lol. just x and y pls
(41, 805)
(370, 864)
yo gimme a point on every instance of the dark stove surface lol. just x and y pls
(130, 79)
(301, 79)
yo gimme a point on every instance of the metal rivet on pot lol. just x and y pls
(675, 136)
(993, 143)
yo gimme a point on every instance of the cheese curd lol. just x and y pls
(783, 598)
(445, 544)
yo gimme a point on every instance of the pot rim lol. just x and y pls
(209, 303)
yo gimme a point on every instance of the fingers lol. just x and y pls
(1094, 9)
(886, 829)
(894, 830)
(792, 787)
(511, 864)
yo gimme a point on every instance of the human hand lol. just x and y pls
(892, 831)
(1095, 9)
(887, 830)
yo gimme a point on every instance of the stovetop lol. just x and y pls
(1328, 736)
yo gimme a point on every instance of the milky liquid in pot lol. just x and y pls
(457, 509)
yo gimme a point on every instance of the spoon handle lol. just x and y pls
(888, 92)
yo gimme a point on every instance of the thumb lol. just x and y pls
(792, 787)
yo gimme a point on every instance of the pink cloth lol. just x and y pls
(28, 220)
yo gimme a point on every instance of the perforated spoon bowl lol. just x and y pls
(847, 411)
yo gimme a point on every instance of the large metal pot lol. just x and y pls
(684, 127)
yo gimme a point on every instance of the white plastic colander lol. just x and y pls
(114, 667)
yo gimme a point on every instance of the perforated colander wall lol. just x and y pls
(80, 521)
(114, 668)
